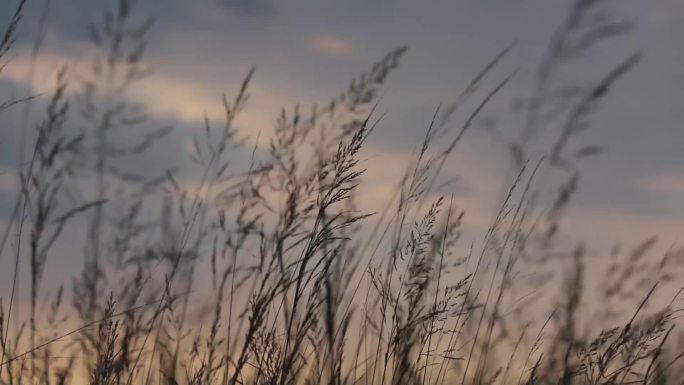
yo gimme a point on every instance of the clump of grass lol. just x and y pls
(270, 275)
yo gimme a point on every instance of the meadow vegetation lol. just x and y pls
(264, 270)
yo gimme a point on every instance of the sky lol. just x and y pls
(306, 51)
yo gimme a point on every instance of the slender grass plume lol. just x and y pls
(255, 258)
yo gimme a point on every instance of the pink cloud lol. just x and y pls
(664, 183)
(331, 45)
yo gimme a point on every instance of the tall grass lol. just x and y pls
(269, 274)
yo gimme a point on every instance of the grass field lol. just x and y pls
(269, 269)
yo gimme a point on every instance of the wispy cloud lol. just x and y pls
(664, 183)
(332, 45)
(45, 68)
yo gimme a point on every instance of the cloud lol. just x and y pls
(196, 51)
(250, 7)
(601, 229)
(664, 183)
(45, 70)
(331, 45)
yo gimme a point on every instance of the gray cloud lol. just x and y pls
(250, 7)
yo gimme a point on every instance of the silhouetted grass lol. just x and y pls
(270, 275)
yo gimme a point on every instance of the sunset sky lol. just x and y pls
(306, 51)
